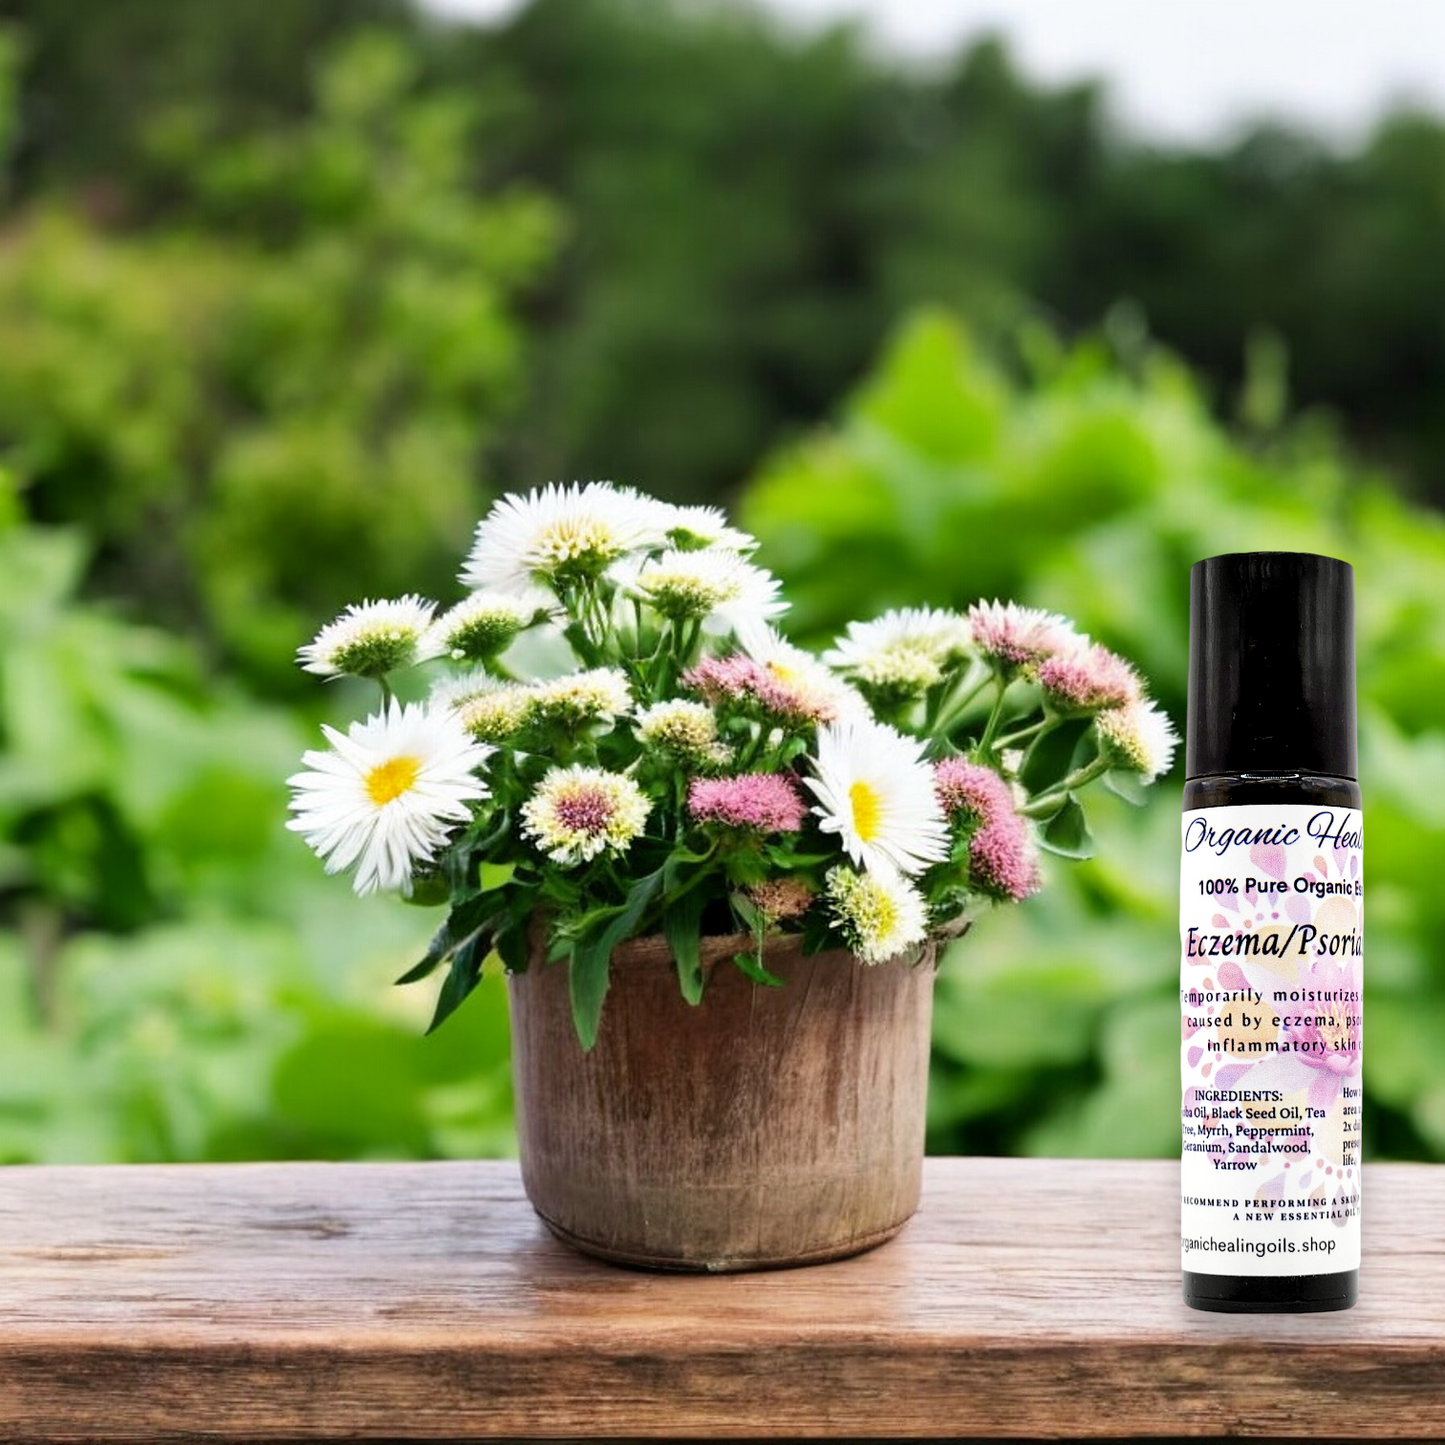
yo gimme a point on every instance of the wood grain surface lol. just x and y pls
(344, 1301)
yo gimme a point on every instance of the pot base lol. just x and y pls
(664, 1264)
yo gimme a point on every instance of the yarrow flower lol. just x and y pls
(780, 900)
(971, 792)
(1002, 858)
(781, 681)
(578, 812)
(755, 802)
(556, 536)
(879, 914)
(599, 695)
(388, 794)
(684, 730)
(1087, 677)
(371, 639)
(492, 712)
(1014, 635)
(689, 586)
(480, 627)
(875, 791)
(1003, 861)
(904, 652)
(1138, 737)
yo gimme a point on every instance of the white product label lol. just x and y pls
(1271, 931)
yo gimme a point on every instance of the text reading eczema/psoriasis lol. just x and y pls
(1304, 938)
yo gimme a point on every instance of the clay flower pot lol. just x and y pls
(763, 1128)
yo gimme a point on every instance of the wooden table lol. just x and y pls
(424, 1301)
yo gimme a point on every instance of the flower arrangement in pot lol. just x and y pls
(715, 867)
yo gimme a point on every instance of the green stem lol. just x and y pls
(1049, 802)
(1014, 739)
(985, 743)
(952, 704)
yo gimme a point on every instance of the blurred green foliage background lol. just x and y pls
(290, 290)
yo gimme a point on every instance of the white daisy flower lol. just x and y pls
(879, 914)
(577, 813)
(371, 639)
(599, 695)
(1016, 635)
(683, 729)
(557, 535)
(907, 650)
(388, 794)
(692, 528)
(1139, 737)
(491, 711)
(876, 792)
(711, 583)
(481, 626)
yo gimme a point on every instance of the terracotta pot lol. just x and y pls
(765, 1127)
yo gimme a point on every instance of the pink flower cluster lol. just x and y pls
(1001, 858)
(1086, 679)
(758, 802)
(1017, 635)
(742, 679)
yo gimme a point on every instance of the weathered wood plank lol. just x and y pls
(328, 1301)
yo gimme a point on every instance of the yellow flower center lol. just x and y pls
(867, 810)
(885, 915)
(575, 537)
(391, 779)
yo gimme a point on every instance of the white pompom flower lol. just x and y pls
(557, 535)
(388, 794)
(1138, 737)
(371, 639)
(875, 791)
(491, 711)
(481, 626)
(578, 812)
(691, 528)
(905, 651)
(709, 584)
(879, 914)
(596, 695)
(684, 730)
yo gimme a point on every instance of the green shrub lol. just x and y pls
(175, 981)
(1091, 487)
(295, 381)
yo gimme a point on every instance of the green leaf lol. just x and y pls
(491, 876)
(1067, 832)
(438, 949)
(466, 972)
(590, 960)
(752, 965)
(1129, 786)
(429, 892)
(682, 923)
(512, 946)
(460, 923)
(1051, 758)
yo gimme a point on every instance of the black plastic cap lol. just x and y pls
(1271, 665)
